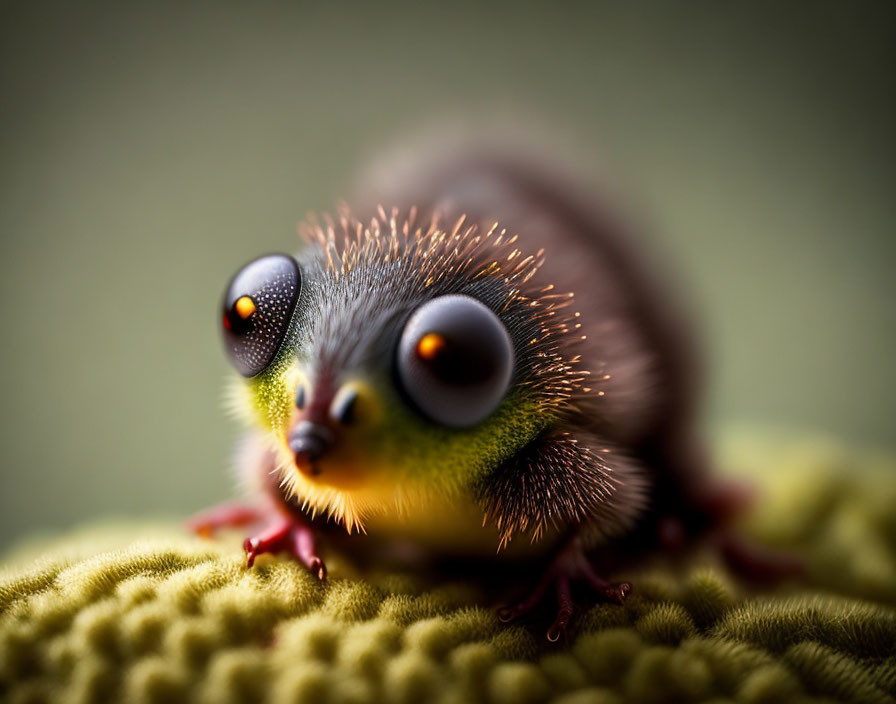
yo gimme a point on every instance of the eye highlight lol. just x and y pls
(244, 306)
(258, 305)
(430, 346)
(455, 360)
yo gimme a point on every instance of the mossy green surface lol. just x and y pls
(99, 617)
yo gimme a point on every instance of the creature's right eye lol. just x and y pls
(258, 306)
(455, 360)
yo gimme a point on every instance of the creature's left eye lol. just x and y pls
(258, 305)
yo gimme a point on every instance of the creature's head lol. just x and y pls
(391, 363)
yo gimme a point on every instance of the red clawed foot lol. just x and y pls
(290, 536)
(720, 502)
(755, 562)
(228, 515)
(571, 563)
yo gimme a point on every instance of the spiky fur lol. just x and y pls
(430, 259)
(562, 480)
(363, 277)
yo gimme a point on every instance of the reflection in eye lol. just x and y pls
(244, 306)
(430, 345)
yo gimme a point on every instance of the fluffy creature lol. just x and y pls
(484, 368)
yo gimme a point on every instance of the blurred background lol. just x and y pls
(149, 150)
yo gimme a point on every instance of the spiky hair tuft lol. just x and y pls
(560, 481)
(437, 257)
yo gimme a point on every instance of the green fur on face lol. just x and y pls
(413, 448)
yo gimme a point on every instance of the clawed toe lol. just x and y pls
(250, 546)
(296, 538)
(271, 541)
(507, 614)
(558, 627)
(618, 592)
(569, 565)
(318, 568)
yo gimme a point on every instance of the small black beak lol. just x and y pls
(308, 442)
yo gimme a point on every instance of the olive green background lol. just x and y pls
(149, 150)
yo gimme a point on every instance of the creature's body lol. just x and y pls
(423, 374)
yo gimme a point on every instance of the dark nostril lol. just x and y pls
(300, 396)
(344, 405)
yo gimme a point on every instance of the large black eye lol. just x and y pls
(258, 305)
(455, 360)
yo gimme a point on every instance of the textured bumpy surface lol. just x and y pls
(171, 619)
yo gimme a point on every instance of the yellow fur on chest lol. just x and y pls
(451, 525)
